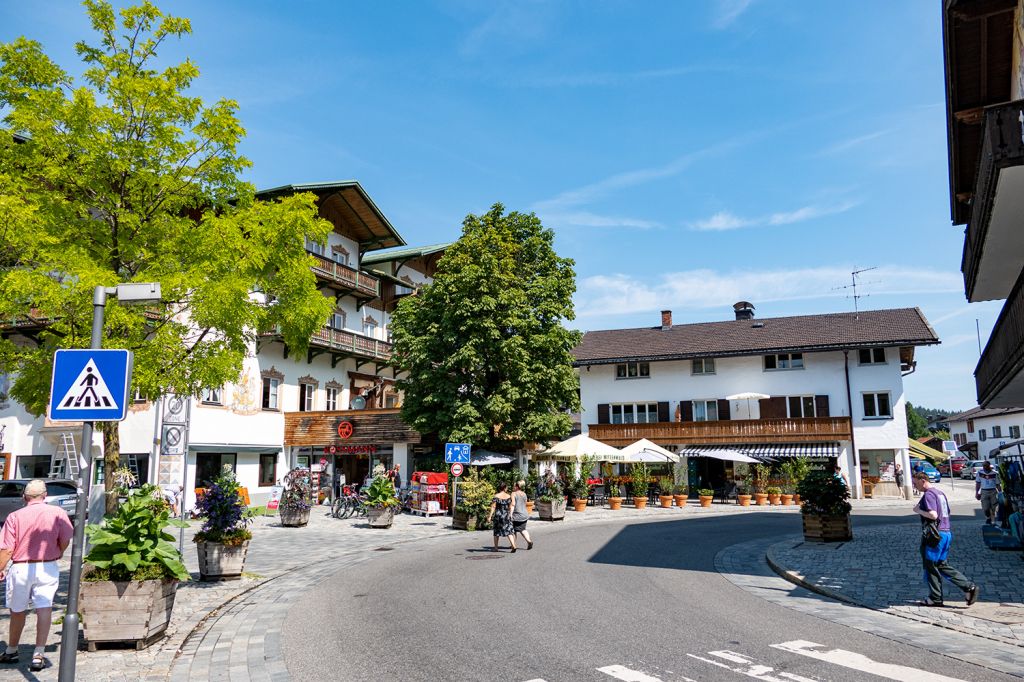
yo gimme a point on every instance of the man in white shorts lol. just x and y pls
(33, 539)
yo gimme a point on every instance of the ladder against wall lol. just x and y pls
(64, 463)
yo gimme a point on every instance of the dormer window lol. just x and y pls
(872, 356)
(784, 361)
(633, 370)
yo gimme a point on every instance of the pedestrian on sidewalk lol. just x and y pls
(987, 489)
(35, 538)
(519, 515)
(899, 480)
(501, 517)
(933, 507)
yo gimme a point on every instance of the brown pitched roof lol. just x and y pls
(980, 412)
(805, 333)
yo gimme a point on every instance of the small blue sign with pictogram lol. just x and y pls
(90, 385)
(456, 453)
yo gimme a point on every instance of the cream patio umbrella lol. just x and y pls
(748, 396)
(644, 450)
(572, 449)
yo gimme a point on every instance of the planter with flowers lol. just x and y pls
(297, 498)
(131, 572)
(707, 496)
(825, 511)
(551, 505)
(381, 503)
(223, 540)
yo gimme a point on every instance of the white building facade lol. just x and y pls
(979, 431)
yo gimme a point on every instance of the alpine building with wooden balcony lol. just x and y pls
(983, 44)
(824, 386)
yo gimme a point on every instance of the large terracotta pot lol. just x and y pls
(774, 499)
(665, 501)
(680, 500)
(796, 498)
(579, 505)
(136, 611)
(218, 561)
(787, 500)
(529, 507)
(551, 511)
(639, 502)
(706, 500)
(760, 499)
(294, 517)
(380, 517)
(744, 500)
(614, 502)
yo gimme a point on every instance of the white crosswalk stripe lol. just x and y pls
(623, 673)
(860, 662)
(749, 668)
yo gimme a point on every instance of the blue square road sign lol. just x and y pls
(456, 453)
(90, 385)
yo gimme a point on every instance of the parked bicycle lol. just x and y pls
(349, 503)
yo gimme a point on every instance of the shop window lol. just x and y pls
(877, 406)
(211, 396)
(34, 466)
(268, 470)
(784, 361)
(703, 366)
(210, 465)
(872, 356)
(705, 410)
(997, 431)
(633, 370)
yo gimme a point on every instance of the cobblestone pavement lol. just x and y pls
(209, 617)
(881, 569)
(744, 565)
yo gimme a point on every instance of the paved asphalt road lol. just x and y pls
(629, 601)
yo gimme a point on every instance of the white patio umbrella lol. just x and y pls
(481, 458)
(644, 450)
(748, 396)
(572, 449)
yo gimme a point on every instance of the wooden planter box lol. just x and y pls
(130, 612)
(827, 528)
(221, 562)
(551, 511)
(463, 520)
(380, 517)
(294, 517)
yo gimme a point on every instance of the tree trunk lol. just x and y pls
(111, 459)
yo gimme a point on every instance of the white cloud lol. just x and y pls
(846, 145)
(588, 219)
(728, 11)
(726, 220)
(619, 294)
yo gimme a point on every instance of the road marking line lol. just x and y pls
(749, 668)
(623, 673)
(855, 661)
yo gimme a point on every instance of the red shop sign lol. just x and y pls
(345, 430)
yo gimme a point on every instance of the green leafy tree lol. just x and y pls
(487, 357)
(917, 426)
(123, 176)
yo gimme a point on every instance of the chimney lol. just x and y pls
(744, 310)
(666, 319)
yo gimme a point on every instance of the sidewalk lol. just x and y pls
(206, 626)
(881, 569)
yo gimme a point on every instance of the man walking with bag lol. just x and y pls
(35, 538)
(935, 539)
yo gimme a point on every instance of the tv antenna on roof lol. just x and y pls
(853, 286)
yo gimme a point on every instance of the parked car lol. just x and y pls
(933, 474)
(63, 494)
(957, 465)
(971, 468)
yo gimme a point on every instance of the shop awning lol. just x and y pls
(759, 451)
(718, 452)
(922, 450)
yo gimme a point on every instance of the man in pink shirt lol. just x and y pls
(34, 538)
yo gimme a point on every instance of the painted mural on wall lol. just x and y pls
(245, 393)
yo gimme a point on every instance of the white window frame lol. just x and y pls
(803, 407)
(315, 247)
(339, 318)
(875, 395)
(702, 410)
(369, 328)
(873, 356)
(706, 366)
(211, 396)
(784, 362)
(640, 370)
(332, 399)
(271, 388)
(307, 397)
(633, 413)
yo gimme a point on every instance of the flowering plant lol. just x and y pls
(225, 514)
(298, 491)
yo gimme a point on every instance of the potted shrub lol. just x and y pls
(551, 505)
(774, 493)
(743, 491)
(680, 492)
(132, 572)
(665, 491)
(641, 476)
(474, 502)
(579, 488)
(532, 479)
(762, 472)
(799, 468)
(296, 499)
(707, 496)
(614, 496)
(381, 503)
(826, 511)
(223, 540)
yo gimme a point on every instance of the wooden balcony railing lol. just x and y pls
(1003, 359)
(345, 342)
(727, 431)
(331, 271)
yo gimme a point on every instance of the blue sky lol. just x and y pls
(686, 154)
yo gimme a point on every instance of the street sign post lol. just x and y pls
(90, 385)
(456, 453)
(456, 470)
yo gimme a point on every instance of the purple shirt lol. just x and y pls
(934, 500)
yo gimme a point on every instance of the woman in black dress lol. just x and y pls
(501, 517)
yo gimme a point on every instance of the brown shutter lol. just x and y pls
(821, 406)
(773, 408)
(663, 412)
(687, 410)
(723, 409)
(602, 414)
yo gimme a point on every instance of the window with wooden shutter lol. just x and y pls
(821, 406)
(602, 414)
(687, 408)
(773, 408)
(663, 411)
(723, 409)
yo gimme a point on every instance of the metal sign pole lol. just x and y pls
(69, 630)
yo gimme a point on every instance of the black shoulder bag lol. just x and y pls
(930, 533)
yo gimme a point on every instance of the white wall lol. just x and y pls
(1003, 421)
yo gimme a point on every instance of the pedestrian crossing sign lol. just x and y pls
(90, 385)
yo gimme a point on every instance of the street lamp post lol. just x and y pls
(139, 293)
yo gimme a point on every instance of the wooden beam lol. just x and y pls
(972, 116)
(982, 9)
